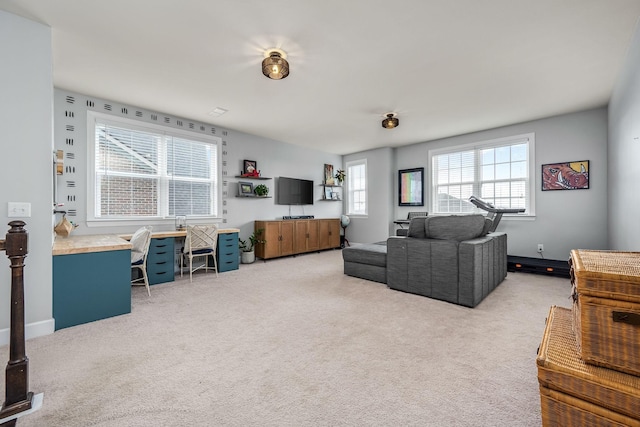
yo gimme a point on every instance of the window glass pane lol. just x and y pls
(503, 154)
(518, 152)
(124, 196)
(503, 171)
(487, 156)
(519, 170)
(487, 173)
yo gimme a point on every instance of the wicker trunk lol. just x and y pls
(574, 393)
(606, 312)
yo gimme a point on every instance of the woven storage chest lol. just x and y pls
(606, 295)
(574, 393)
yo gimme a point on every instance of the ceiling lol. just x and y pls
(446, 67)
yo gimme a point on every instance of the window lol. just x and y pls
(357, 187)
(499, 172)
(142, 171)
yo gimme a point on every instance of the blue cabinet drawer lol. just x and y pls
(227, 252)
(160, 260)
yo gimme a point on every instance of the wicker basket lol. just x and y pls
(606, 313)
(584, 390)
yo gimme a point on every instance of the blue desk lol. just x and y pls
(91, 279)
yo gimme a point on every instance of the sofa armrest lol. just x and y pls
(482, 266)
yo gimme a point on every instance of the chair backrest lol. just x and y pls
(415, 214)
(201, 237)
(140, 243)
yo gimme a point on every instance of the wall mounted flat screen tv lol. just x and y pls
(293, 191)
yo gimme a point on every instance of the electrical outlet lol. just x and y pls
(540, 247)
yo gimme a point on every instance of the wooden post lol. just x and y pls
(17, 397)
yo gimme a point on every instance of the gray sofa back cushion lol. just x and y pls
(416, 227)
(451, 227)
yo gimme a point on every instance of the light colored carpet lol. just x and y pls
(294, 342)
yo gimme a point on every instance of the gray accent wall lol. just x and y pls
(26, 85)
(565, 219)
(624, 155)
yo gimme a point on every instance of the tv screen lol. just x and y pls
(292, 191)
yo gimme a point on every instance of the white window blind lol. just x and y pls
(146, 173)
(499, 172)
(357, 188)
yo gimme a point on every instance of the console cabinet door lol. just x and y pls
(329, 233)
(313, 238)
(306, 238)
(286, 238)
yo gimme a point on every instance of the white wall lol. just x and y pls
(624, 154)
(26, 86)
(377, 225)
(564, 219)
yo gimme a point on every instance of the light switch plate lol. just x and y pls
(19, 210)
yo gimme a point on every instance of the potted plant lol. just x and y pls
(248, 254)
(261, 190)
(340, 176)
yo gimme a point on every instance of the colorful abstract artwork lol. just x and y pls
(411, 187)
(566, 176)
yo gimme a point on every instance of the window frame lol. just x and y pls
(163, 191)
(349, 191)
(476, 146)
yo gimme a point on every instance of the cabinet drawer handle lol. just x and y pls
(160, 246)
(161, 272)
(161, 253)
(160, 263)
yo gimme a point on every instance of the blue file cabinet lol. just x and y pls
(160, 260)
(227, 252)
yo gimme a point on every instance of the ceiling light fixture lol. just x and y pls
(275, 66)
(390, 122)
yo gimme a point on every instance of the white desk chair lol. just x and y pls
(139, 250)
(201, 241)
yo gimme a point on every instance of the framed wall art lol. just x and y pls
(250, 167)
(328, 174)
(411, 187)
(245, 189)
(566, 176)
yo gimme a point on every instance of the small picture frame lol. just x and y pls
(245, 189)
(249, 167)
(327, 193)
(335, 196)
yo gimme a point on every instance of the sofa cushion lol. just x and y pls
(416, 227)
(370, 253)
(454, 227)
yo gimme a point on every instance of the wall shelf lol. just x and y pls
(328, 188)
(255, 197)
(262, 178)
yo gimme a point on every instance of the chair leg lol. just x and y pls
(190, 269)
(146, 278)
(215, 263)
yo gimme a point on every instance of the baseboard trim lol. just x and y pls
(31, 330)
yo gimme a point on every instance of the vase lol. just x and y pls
(248, 257)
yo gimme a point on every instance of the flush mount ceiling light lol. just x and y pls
(390, 122)
(274, 65)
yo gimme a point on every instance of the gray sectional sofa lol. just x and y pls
(450, 258)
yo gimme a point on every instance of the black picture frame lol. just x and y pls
(245, 189)
(411, 187)
(565, 176)
(247, 165)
